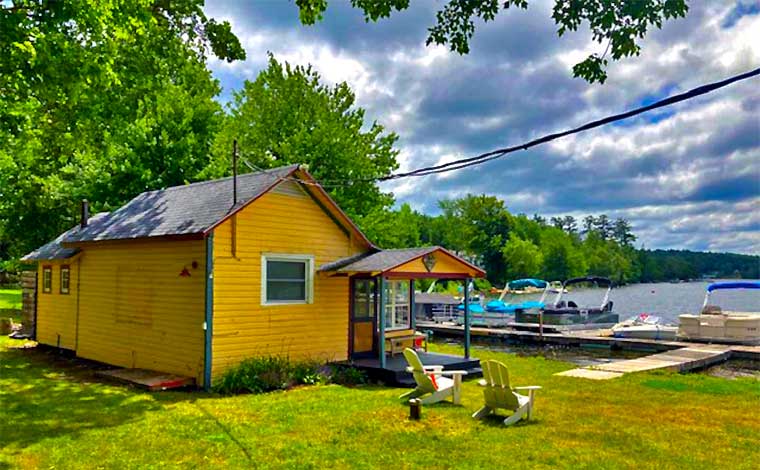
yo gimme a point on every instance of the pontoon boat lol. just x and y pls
(499, 306)
(715, 325)
(568, 313)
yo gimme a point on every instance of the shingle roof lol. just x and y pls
(180, 210)
(54, 250)
(379, 261)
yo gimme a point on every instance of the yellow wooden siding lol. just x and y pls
(282, 224)
(56, 312)
(444, 263)
(137, 311)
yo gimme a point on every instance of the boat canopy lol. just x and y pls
(523, 283)
(733, 285)
(600, 281)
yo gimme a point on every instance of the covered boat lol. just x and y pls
(474, 303)
(713, 324)
(569, 313)
(475, 307)
(499, 306)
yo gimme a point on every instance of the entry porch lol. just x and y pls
(381, 309)
(394, 371)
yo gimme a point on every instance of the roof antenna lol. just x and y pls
(234, 172)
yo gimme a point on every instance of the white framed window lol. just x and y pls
(397, 305)
(47, 279)
(287, 279)
(65, 279)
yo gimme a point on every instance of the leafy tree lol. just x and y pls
(622, 232)
(618, 24)
(287, 116)
(392, 229)
(561, 258)
(480, 226)
(603, 226)
(607, 258)
(540, 220)
(567, 224)
(522, 258)
(589, 223)
(100, 100)
(527, 229)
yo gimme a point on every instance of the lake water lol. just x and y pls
(663, 299)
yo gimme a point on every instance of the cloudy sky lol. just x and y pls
(686, 177)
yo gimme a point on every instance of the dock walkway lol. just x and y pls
(679, 360)
(681, 356)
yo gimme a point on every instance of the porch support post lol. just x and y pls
(467, 317)
(381, 322)
(412, 313)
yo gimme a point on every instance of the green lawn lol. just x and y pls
(53, 414)
(11, 298)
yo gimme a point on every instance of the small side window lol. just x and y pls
(65, 279)
(287, 279)
(47, 279)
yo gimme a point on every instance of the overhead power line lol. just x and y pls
(498, 153)
(492, 155)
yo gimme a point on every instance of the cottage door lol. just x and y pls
(363, 316)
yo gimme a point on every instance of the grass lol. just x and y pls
(11, 299)
(53, 414)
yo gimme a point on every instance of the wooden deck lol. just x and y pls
(394, 372)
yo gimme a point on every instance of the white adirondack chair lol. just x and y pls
(499, 395)
(431, 381)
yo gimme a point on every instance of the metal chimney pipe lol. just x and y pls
(85, 214)
(234, 171)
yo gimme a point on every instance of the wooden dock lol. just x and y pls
(678, 356)
(679, 360)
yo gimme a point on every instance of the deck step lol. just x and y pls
(148, 379)
(394, 372)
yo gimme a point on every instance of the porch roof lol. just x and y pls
(431, 261)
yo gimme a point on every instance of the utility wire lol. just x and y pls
(467, 162)
(498, 153)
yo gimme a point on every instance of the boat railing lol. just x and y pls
(729, 285)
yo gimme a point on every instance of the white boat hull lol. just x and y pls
(657, 332)
(728, 327)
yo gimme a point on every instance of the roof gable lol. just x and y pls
(406, 261)
(312, 188)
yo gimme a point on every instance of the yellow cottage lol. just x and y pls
(192, 279)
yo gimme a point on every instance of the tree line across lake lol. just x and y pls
(511, 246)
